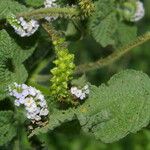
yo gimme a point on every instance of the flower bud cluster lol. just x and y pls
(49, 4)
(80, 93)
(22, 27)
(30, 98)
(140, 12)
(62, 73)
(86, 6)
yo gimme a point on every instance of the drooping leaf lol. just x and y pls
(10, 6)
(7, 128)
(12, 57)
(112, 111)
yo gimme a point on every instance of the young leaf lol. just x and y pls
(7, 128)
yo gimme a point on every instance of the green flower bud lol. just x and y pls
(86, 6)
(62, 73)
(12, 20)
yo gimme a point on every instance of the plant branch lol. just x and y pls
(114, 56)
(44, 12)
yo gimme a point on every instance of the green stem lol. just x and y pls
(114, 56)
(43, 12)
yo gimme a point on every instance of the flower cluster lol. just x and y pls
(49, 4)
(140, 12)
(31, 98)
(80, 93)
(22, 27)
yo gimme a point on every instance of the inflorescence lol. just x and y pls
(30, 98)
(80, 93)
(140, 12)
(62, 74)
(22, 27)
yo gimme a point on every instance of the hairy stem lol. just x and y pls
(114, 56)
(43, 12)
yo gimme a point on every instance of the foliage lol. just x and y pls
(7, 127)
(10, 6)
(104, 25)
(111, 120)
(11, 58)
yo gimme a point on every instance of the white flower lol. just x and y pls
(73, 90)
(140, 12)
(25, 28)
(49, 4)
(37, 118)
(83, 96)
(29, 102)
(80, 93)
(32, 91)
(17, 103)
(44, 112)
(24, 86)
(31, 98)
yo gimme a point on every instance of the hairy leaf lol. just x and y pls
(103, 23)
(106, 28)
(7, 128)
(11, 58)
(112, 111)
(125, 34)
(10, 6)
(118, 108)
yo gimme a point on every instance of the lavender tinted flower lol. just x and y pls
(49, 4)
(31, 98)
(80, 93)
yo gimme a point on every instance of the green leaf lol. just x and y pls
(12, 57)
(112, 111)
(7, 128)
(80, 82)
(10, 6)
(118, 108)
(125, 34)
(103, 23)
(107, 29)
